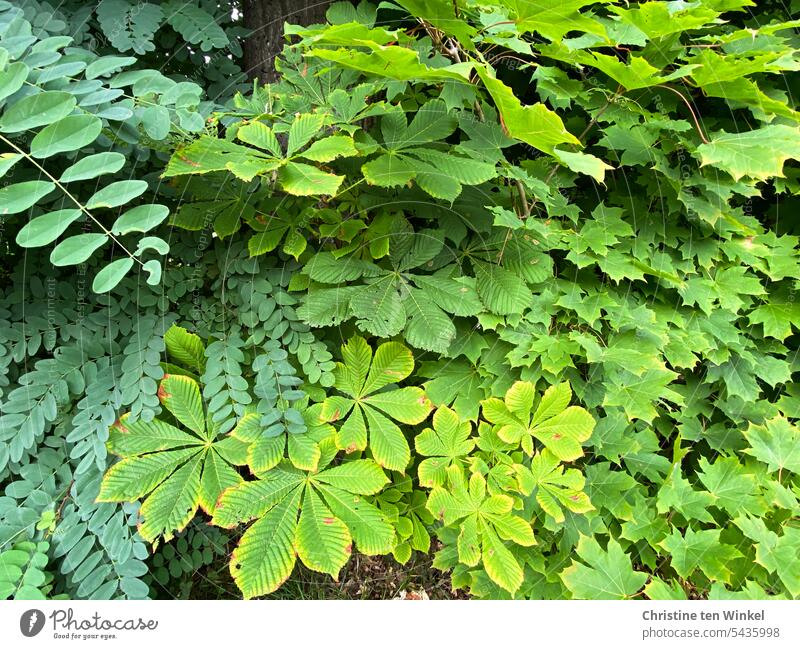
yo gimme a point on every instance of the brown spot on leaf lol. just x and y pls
(351, 449)
(162, 393)
(328, 520)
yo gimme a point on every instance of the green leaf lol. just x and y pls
(8, 160)
(677, 494)
(217, 476)
(185, 347)
(389, 171)
(387, 442)
(181, 396)
(775, 553)
(606, 574)
(260, 135)
(251, 500)
(325, 267)
(323, 541)
(19, 197)
(455, 296)
(777, 318)
(304, 180)
(156, 122)
(369, 527)
(776, 444)
(702, 550)
(500, 564)
(37, 110)
(330, 148)
(583, 163)
(394, 62)
(111, 275)
(302, 129)
(265, 556)
(68, 134)
(443, 445)
(116, 194)
(759, 154)
(537, 125)
(140, 219)
(556, 488)
(173, 503)
(362, 477)
(76, 249)
(93, 166)
(153, 270)
(392, 363)
(432, 122)
(564, 433)
(501, 291)
(106, 65)
(131, 438)
(46, 228)
(408, 405)
(12, 78)
(135, 477)
(428, 327)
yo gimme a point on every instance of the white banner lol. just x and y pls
(406, 624)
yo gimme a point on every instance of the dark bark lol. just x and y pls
(265, 19)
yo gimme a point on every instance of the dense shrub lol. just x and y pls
(509, 275)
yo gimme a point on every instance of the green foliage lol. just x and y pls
(193, 555)
(559, 229)
(21, 570)
(487, 492)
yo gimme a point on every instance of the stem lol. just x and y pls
(526, 209)
(71, 197)
(691, 110)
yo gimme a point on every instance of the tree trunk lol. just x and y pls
(265, 18)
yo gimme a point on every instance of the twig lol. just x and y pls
(691, 110)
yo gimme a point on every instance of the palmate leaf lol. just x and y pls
(758, 154)
(311, 516)
(174, 470)
(485, 524)
(702, 550)
(606, 574)
(443, 445)
(561, 428)
(368, 415)
(776, 444)
(556, 488)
